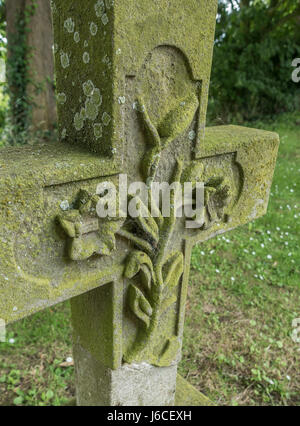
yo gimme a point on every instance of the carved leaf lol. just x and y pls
(139, 305)
(168, 302)
(134, 262)
(146, 277)
(178, 120)
(172, 270)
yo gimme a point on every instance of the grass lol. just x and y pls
(244, 294)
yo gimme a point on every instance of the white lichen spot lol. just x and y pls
(78, 121)
(76, 37)
(119, 51)
(64, 60)
(192, 135)
(109, 3)
(96, 97)
(83, 113)
(69, 25)
(63, 133)
(88, 88)
(99, 8)
(93, 28)
(61, 98)
(55, 48)
(106, 119)
(122, 100)
(85, 44)
(104, 19)
(86, 57)
(91, 110)
(53, 6)
(98, 130)
(64, 205)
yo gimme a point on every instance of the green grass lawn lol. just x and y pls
(244, 294)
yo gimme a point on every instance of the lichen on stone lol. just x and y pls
(86, 57)
(88, 88)
(76, 37)
(91, 109)
(98, 130)
(99, 8)
(78, 121)
(104, 19)
(64, 60)
(93, 28)
(106, 118)
(69, 25)
(61, 98)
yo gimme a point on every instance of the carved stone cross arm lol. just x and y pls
(132, 89)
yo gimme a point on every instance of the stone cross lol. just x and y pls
(132, 91)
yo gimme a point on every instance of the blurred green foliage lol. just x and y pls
(256, 42)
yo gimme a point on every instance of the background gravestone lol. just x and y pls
(132, 89)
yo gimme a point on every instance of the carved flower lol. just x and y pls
(88, 234)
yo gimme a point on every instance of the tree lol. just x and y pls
(30, 64)
(256, 42)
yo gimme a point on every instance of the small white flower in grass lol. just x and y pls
(269, 256)
(254, 253)
(251, 238)
(262, 245)
(286, 243)
(255, 276)
(269, 232)
(290, 254)
(11, 341)
(232, 279)
(211, 252)
(217, 271)
(69, 359)
(288, 377)
(261, 277)
(291, 190)
(277, 228)
(202, 253)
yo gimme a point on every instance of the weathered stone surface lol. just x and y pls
(132, 81)
(103, 45)
(129, 385)
(187, 396)
(36, 272)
